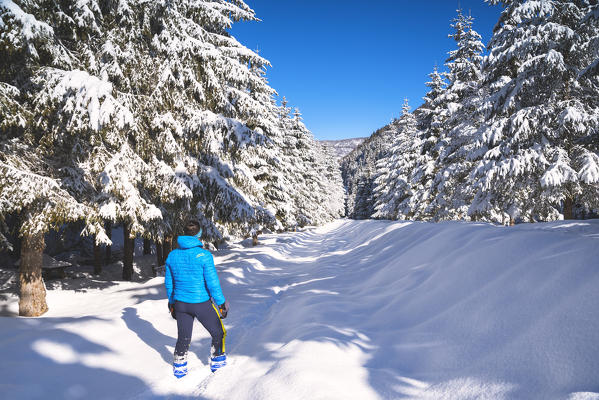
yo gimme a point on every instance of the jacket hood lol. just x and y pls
(187, 242)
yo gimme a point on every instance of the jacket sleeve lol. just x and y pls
(211, 279)
(168, 282)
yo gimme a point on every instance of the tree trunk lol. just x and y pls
(159, 259)
(568, 205)
(147, 247)
(17, 245)
(166, 248)
(108, 228)
(127, 253)
(32, 291)
(97, 259)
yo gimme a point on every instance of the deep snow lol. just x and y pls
(352, 310)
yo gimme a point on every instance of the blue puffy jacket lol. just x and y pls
(190, 275)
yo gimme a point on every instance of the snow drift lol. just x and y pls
(352, 310)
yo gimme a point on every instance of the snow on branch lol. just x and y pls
(23, 31)
(84, 101)
(31, 28)
(120, 198)
(46, 204)
(13, 113)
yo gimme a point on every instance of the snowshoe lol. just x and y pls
(180, 366)
(217, 362)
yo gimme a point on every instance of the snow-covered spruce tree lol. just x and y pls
(408, 161)
(181, 106)
(79, 123)
(432, 116)
(359, 171)
(227, 117)
(590, 41)
(41, 205)
(268, 164)
(310, 175)
(335, 201)
(87, 129)
(309, 179)
(447, 188)
(202, 112)
(429, 113)
(393, 185)
(32, 173)
(277, 172)
(13, 122)
(536, 165)
(588, 78)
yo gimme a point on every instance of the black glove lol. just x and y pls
(171, 309)
(224, 309)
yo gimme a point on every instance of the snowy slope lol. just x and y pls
(352, 310)
(342, 147)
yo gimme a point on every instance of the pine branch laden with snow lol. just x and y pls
(120, 195)
(77, 103)
(28, 38)
(45, 203)
(590, 46)
(14, 116)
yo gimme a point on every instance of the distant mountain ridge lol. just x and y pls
(343, 147)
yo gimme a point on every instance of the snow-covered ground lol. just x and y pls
(353, 310)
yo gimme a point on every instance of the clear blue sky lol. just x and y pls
(348, 65)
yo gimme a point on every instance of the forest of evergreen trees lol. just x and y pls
(508, 133)
(143, 114)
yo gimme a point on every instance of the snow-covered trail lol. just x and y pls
(352, 310)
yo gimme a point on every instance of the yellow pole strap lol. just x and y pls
(221, 324)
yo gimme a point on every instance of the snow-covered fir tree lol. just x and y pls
(448, 193)
(359, 171)
(432, 117)
(314, 198)
(393, 185)
(429, 112)
(331, 170)
(35, 175)
(536, 164)
(588, 78)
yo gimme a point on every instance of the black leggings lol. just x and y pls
(208, 316)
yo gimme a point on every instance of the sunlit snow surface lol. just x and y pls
(352, 310)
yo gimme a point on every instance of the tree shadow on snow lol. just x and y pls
(148, 334)
(160, 342)
(154, 292)
(51, 364)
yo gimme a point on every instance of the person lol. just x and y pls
(193, 289)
